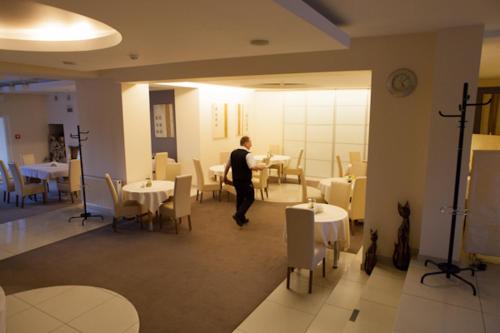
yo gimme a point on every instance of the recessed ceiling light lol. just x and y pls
(31, 26)
(71, 63)
(259, 42)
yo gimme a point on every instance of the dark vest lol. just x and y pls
(239, 166)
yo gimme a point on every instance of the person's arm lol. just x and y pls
(252, 164)
(226, 170)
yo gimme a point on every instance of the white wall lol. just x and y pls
(58, 114)
(26, 115)
(136, 131)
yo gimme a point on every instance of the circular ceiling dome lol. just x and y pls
(30, 26)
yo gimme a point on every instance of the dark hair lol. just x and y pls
(244, 139)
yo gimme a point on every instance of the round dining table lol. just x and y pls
(332, 224)
(217, 170)
(150, 196)
(326, 183)
(275, 159)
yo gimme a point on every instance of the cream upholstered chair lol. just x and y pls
(204, 185)
(7, 184)
(302, 250)
(224, 157)
(297, 171)
(127, 209)
(28, 159)
(305, 195)
(276, 150)
(340, 166)
(72, 184)
(354, 156)
(358, 200)
(161, 160)
(340, 195)
(261, 182)
(358, 169)
(172, 170)
(180, 206)
(25, 189)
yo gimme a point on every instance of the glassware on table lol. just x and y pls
(149, 183)
(312, 203)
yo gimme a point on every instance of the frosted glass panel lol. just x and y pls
(319, 151)
(343, 150)
(318, 133)
(350, 134)
(351, 97)
(320, 115)
(295, 114)
(294, 132)
(324, 98)
(295, 98)
(292, 148)
(350, 115)
(318, 168)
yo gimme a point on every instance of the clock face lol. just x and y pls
(401, 82)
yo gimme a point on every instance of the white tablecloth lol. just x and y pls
(217, 170)
(45, 171)
(275, 159)
(326, 183)
(151, 197)
(332, 224)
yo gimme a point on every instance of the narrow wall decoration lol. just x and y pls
(219, 120)
(164, 120)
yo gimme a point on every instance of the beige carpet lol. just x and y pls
(208, 280)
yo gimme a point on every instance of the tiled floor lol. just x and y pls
(26, 234)
(329, 307)
(449, 305)
(70, 309)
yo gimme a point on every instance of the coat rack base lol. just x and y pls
(86, 216)
(449, 270)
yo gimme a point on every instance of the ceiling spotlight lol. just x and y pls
(259, 42)
(133, 56)
(70, 63)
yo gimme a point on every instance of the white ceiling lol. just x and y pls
(166, 31)
(323, 80)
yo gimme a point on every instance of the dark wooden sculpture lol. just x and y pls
(371, 253)
(401, 256)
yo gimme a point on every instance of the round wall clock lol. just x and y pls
(402, 82)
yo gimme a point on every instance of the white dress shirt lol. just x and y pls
(250, 159)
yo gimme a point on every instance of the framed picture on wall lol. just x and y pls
(219, 120)
(163, 121)
(242, 120)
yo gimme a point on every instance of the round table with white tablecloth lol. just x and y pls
(332, 223)
(275, 159)
(326, 183)
(45, 171)
(217, 170)
(153, 196)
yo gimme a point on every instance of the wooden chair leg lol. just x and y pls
(351, 226)
(189, 222)
(267, 192)
(4, 196)
(324, 267)
(289, 270)
(310, 281)
(8, 197)
(72, 199)
(197, 195)
(262, 194)
(17, 200)
(176, 227)
(201, 197)
(59, 194)
(114, 224)
(22, 202)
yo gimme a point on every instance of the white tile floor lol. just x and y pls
(449, 305)
(26, 234)
(70, 309)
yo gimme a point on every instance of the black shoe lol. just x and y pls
(238, 221)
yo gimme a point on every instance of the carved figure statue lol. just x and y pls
(402, 255)
(371, 253)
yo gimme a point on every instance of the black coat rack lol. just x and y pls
(448, 267)
(85, 215)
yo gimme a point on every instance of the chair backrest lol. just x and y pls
(340, 194)
(224, 157)
(358, 169)
(18, 178)
(358, 201)
(5, 176)
(354, 156)
(28, 159)
(299, 160)
(302, 177)
(275, 149)
(300, 237)
(182, 195)
(199, 173)
(172, 170)
(161, 160)
(75, 175)
(340, 166)
(112, 190)
(263, 177)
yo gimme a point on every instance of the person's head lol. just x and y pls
(246, 142)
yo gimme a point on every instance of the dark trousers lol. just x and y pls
(245, 196)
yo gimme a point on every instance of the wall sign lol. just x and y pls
(219, 120)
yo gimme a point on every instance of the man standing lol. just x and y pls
(242, 163)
